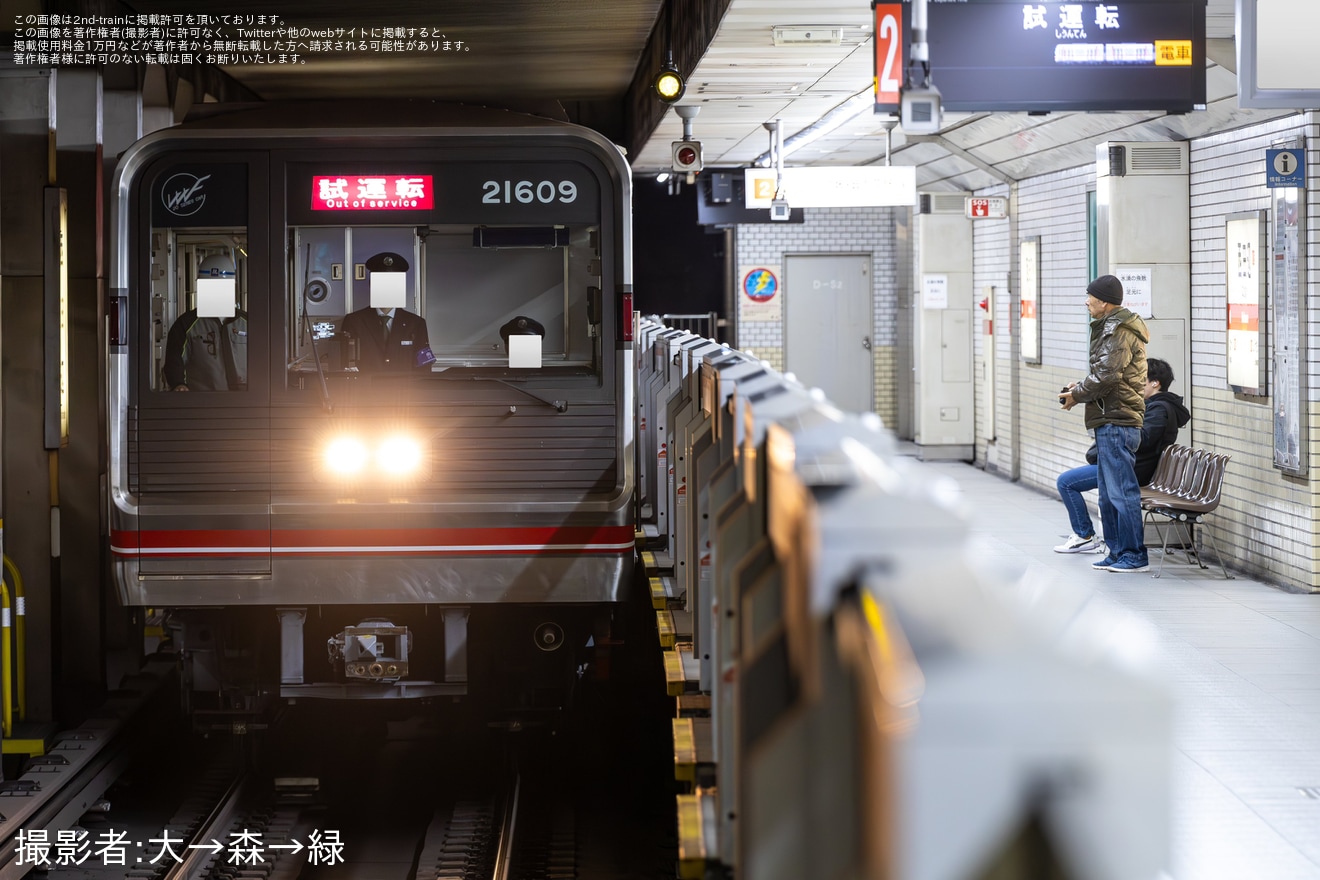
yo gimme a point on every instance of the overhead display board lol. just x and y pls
(1011, 55)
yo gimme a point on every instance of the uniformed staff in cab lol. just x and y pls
(388, 337)
(206, 349)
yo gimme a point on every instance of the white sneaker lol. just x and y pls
(1101, 547)
(1077, 544)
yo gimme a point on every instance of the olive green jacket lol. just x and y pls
(1112, 390)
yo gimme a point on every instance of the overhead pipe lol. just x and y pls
(776, 151)
(20, 633)
(6, 666)
(920, 51)
(838, 117)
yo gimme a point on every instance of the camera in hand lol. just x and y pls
(1062, 399)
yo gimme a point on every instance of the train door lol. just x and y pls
(199, 427)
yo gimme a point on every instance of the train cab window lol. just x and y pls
(419, 301)
(491, 288)
(356, 306)
(199, 319)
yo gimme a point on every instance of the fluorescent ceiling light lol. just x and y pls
(861, 103)
(807, 35)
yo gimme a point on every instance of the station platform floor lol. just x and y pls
(1241, 660)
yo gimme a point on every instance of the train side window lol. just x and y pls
(198, 301)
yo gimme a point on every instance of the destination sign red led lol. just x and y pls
(382, 192)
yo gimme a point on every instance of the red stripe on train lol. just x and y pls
(248, 542)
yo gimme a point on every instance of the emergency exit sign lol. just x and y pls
(987, 209)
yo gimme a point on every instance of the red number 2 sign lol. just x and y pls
(889, 55)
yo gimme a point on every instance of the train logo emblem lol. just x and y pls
(760, 285)
(183, 195)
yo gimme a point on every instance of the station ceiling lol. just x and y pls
(595, 59)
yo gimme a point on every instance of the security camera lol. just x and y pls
(686, 157)
(779, 209)
(920, 110)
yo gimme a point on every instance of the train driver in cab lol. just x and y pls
(206, 349)
(388, 337)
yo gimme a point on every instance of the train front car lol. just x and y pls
(369, 399)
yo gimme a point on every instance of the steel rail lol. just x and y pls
(508, 827)
(212, 830)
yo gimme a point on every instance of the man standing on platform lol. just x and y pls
(1115, 410)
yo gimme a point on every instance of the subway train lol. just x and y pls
(369, 399)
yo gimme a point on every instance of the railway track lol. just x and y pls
(312, 792)
(404, 811)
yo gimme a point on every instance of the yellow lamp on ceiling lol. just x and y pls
(669, 83)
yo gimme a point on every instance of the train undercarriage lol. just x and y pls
(519, 663)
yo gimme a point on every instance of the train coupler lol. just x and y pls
(374, 650)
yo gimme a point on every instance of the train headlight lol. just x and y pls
(346, 456)
(399, 456)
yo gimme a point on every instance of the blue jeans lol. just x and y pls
(1071, 486)
(1120, 496)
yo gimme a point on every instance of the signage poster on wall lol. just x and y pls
(759, 297)
(1136, 289)
(1245, 283)
(934, 291)
(1029, 299)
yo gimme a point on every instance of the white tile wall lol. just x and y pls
(830, 230)
(1053, 208)
(1266, 519)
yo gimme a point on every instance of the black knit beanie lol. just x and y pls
(1107, 288)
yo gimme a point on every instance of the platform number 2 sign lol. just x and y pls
(889, 55)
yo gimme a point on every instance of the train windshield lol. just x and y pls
(390, 269)
(424, 300)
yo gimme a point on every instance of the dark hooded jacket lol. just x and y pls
(1165, 414)
(1112, 390)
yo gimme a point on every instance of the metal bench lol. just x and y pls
(1185, 489)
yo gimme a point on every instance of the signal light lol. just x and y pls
(686, 156)
(669, 83)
